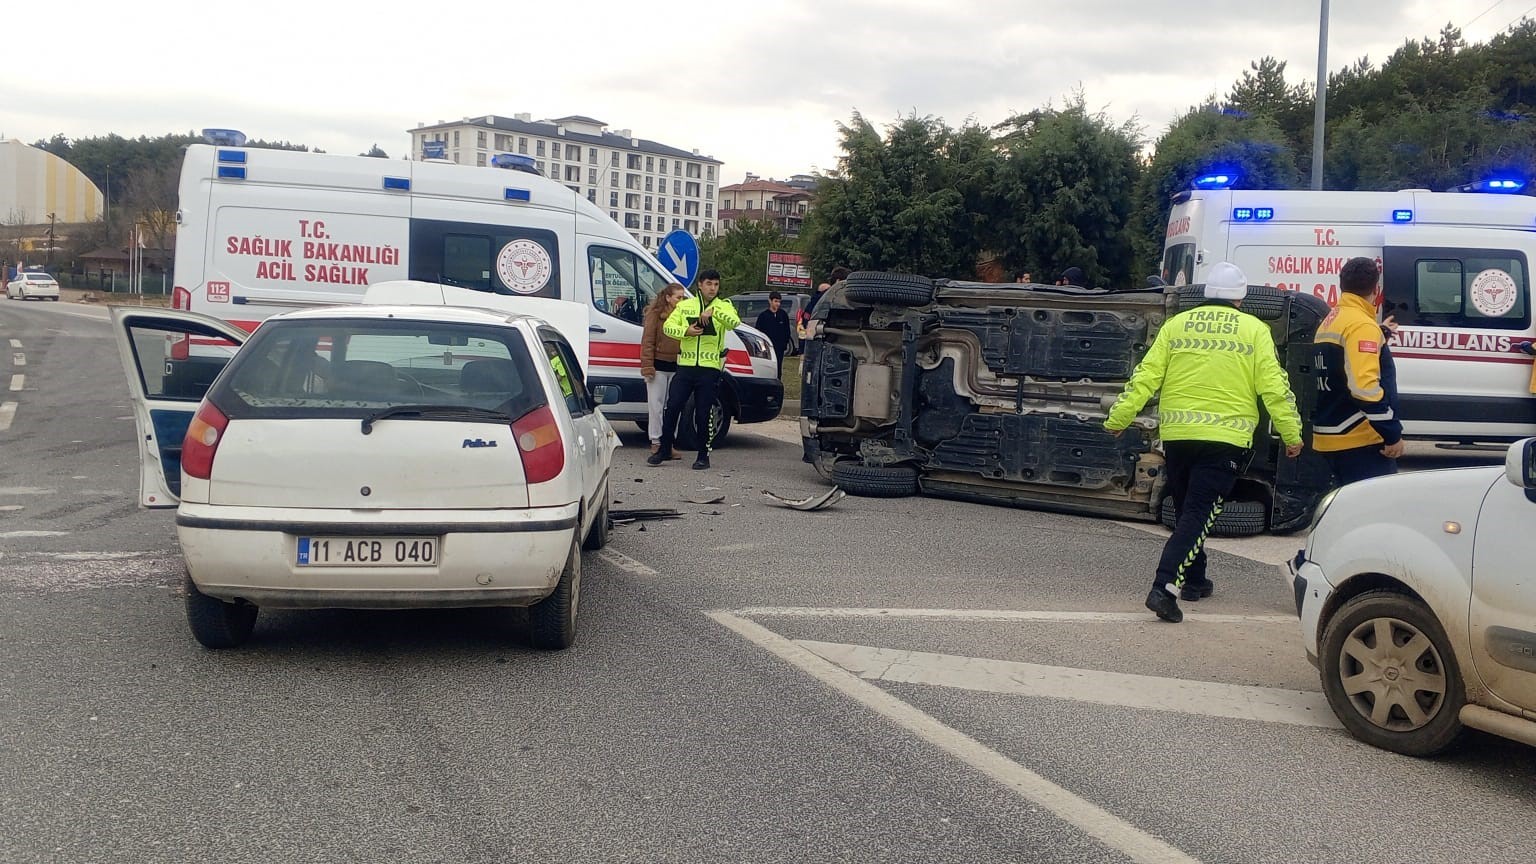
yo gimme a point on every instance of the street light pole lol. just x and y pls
(1321, 111)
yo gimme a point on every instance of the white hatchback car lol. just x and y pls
(371, 457)
(1417, 597)
(31, 285)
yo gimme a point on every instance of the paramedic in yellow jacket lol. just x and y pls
(1212, 364)
(700, 324)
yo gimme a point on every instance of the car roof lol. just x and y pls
(429, 314)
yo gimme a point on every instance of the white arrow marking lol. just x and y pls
(1207, 698)
(680, 269)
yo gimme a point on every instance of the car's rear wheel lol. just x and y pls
(1391, 676)
(597, 535)
(215, 623)
(875, 481)
(552, 621)
(688, 436)
(1237, 518)
(889, 289)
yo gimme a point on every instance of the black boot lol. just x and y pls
(701, 463)
(1167, 608)
(659, 457)
(1194, 591)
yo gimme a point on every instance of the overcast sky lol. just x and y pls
(758, 84)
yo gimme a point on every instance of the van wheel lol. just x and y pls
(889, 289)
(215, 623)
(688, 437)
(552, 621)
(875, 481)
(1237, 519)
(1390, 674)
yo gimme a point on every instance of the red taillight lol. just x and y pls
(181, 298)
(202, 441)
(538, 442)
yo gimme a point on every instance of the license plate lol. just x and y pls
(368, 551)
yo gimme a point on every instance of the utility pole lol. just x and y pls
(1321, 112)
(52, 218)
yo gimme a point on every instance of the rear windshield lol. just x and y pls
(353, 368)
(39, 277)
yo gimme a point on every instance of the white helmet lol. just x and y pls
(1226, 282)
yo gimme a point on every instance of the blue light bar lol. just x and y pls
(1501, 185)
(399, 183)
(231, 172)
(512, 160)
(1217, 180)
(232, 156)
(1263, 214)
(224, 137)
(1402, 215)
(1242, 214)
(518, 194)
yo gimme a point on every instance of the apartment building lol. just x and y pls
(785, 203)
(648, 187)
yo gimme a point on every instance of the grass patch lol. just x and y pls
(792, 378)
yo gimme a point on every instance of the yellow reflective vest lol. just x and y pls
(1212, 364)
(706, 350)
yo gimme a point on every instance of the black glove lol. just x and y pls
(1528, 348)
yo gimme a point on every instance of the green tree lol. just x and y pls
(741, 254)
(1063, 194)
(375, 152)
(1204, 139)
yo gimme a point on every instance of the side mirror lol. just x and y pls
(606, 394)
(1520, 464)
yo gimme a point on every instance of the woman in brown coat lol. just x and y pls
(658, 357)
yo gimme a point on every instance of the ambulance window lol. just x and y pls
(499, 259)
(1179, 264)
(1475, 289)
(622, 283)
(464, 261)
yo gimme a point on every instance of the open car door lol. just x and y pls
(171, 358)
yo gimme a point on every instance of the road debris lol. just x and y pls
(815, 502)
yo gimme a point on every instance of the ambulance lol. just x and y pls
(1456, 271)
(262, 231)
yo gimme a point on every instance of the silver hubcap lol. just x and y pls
(1392, 674)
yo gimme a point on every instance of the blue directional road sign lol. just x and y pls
(679, 253)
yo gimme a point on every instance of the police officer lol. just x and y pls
(1355, 425)
(699, 323)
(1212, 365)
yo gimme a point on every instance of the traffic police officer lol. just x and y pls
(1212, 365)
(699, 323)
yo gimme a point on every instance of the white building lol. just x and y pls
(647, 187)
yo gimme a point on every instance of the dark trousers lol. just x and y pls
(779, 351)
(700, 382)
(1359, 463)
(1200, 475)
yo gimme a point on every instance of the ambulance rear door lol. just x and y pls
(1462, 300)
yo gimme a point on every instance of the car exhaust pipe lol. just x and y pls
(1499, 723)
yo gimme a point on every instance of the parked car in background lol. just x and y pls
(998, 393)
(1418, 604)
(752, 304)
(372, 457)
(32, 285)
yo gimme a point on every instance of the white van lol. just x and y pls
(267, 231)
(1456, 269)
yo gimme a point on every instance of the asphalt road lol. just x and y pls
(911, 680)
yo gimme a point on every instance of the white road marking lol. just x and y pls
(1004, 615)
(23, 534)
(15, 343)
(624, 562)
(80, 312)
(7, 415)
(1206, 698)
(25, 490)
(10, 508)
(1093, 820)
(1264, 548)
(17, 382)
(18, 359)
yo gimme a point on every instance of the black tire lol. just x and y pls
(597, 535)
(1237, 519)
(215, 623)
(688, 437)
(889, 289)
(875, 481)
(1360, 620)
(1265, 302)
(552, 621)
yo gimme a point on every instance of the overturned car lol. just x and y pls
(998, 393)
